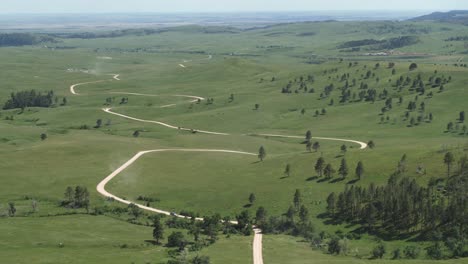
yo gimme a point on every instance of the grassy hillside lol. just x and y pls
(254, 66)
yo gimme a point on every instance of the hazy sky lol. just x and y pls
(84, 6)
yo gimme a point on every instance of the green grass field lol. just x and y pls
(208, 183)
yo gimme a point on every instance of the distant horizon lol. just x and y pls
(236, 12)
(222, 6)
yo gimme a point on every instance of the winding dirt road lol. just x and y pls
(257, 242)
(101, 187)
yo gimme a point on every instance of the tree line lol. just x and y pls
(438, 211)
(22, 39)
(31, 98)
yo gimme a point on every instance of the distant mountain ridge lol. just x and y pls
(455, 16)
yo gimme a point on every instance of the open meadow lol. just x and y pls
(396, 89)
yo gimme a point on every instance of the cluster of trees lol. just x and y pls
(124, 100)
(402, 206)
(295, 221)
(30, 98)
(77, 197)
(458, 126)
(391, 43)
(352, 90)
(457, 38)
(326, 169)
(300, 83)
(358, 43)
(22, 39)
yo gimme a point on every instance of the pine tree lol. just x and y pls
(290, 213)
(328, 171)
(308, 135)
(319, 166)
(343, 170)
(344, 149)
(252, 198)
(297, 199)
(331, 203)
(158, 231)
(448, 160)
(260, 215)
(360, 169)
(316, 146)
(261, 153)
(287, 170)
(309, 146)
(304, 214)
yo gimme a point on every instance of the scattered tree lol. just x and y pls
(176, 239)
(309, 146)
(158, 230)
(343, 170)
(448, 160)
(252, 198)
(308, 135)
(297, 199)
(304, 214)
(319, 166)
(328, 171)
(260, 215)
(344, 149)
(11, 209)
(360, 169)
(413, 66)
(316, 146)
(287, 170)
(261, 153)
(98, 123)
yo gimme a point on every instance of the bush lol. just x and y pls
(200, 260)
(413, 66)
(334, 246)
(176, 239)
(435, 251)
(378, 251)
(396, 254)
(411, 252)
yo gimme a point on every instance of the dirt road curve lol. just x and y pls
(362, 144)
(101, 187)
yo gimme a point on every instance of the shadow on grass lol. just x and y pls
(352, 181)
(247, 205)
(337, 180)
(312, 178)
(153, 242)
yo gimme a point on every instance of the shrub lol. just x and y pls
(411, 252)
